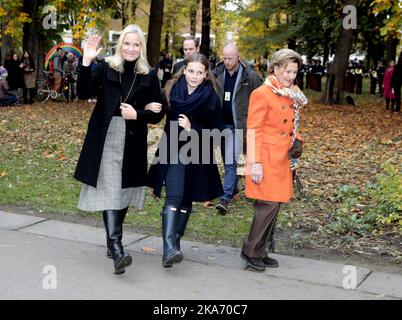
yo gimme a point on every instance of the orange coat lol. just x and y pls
(270, 125)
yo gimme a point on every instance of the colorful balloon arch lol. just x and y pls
(69, 47)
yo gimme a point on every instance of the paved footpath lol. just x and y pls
(49, 259)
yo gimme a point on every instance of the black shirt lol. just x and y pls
(127, 78)
(228, 91)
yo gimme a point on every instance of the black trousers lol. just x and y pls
(28, 98)
(397, 93)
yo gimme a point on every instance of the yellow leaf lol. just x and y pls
(208, 204)
(4, 174)
(148, 249)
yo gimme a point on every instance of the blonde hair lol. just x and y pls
(283, 57)
(116, 61)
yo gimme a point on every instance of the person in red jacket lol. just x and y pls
(387, 88)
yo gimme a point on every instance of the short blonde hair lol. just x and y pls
(283, 57)
(116, 61)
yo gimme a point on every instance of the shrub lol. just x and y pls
(379, 205)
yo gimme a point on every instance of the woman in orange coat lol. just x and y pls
(273, 149)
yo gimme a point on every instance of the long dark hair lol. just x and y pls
(30, 59)
(195, 57)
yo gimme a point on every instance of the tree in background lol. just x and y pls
(155, 31)
(334, 93)
(194, 6)
(206, 28)
(126, 10)
(80, 16)
(392, 29)
(34, 33)
(315, 27)
(264, 27)
(12, 19)
(175, 16)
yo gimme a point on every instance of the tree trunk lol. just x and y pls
(193, 18)
(292, 40)
(327, 39)
(167, 42)
(134, 10)
(6, 44)
(155, 31)
(206, 27)
(33, 33)
(334, 93)
(129, 10)
(122, 5)
(392, 43)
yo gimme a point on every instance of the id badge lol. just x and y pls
(227, 96)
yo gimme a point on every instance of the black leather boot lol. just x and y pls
(114, 232)
(122, 215)
(181, 223)
(170, 253)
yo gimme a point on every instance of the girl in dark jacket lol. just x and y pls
(184, 161)
(113, 161)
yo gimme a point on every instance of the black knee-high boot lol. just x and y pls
(114, 231)
(122, 215)
(181, 223)
(170, 253)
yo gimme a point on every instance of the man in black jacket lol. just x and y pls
(235, 80)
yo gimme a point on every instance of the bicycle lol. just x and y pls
(45, 89)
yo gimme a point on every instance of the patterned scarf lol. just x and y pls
(294, 93)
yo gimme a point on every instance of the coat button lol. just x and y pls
(291, 134)
(131, 132)
(293, 120)
(285, 121)
(283, 107)
(283, 134)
